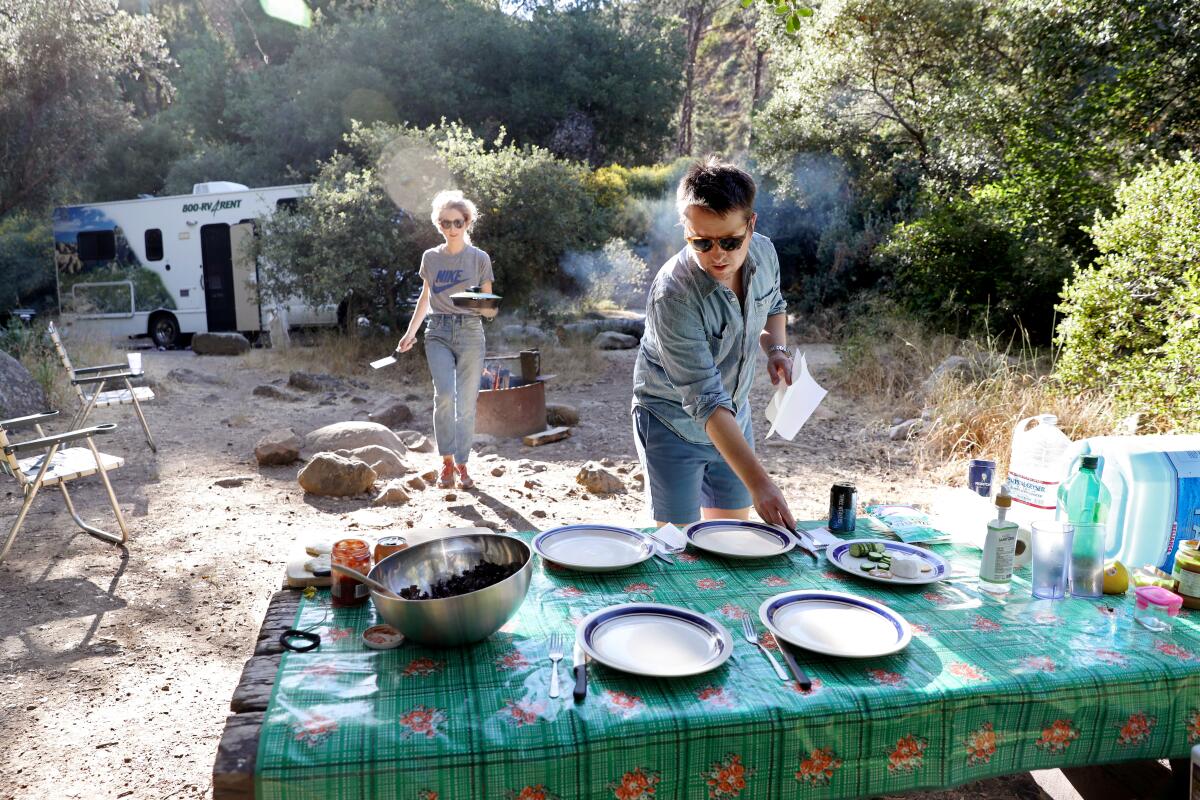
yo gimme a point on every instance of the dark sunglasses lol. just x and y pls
(729, 243)
(457, 223)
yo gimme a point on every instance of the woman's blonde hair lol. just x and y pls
(453, 198)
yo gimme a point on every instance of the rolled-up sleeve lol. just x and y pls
(771, 261)
(687, 359)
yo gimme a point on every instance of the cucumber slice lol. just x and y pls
(878, 547)
(867, 567)
(875, 556)
(858, 550)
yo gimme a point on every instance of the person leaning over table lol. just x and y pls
(454, 341)
(708, 309)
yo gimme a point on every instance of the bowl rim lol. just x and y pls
(528, 560)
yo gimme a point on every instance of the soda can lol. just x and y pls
(981, 474)
(843, 502)
(386, 545)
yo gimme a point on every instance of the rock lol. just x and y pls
(274, 393)
(416, 483)
(421, 444)
(233, 481)
(598, 480)
(331, 475)
(20, 394)
(386, 463)
(237, 421)
(959, 367)
(561, 414)
(185, 375)
(525, 334)
(588, 329)
(530, 466)
(391, 414)
(537, 512)
(498, 472)
(530, 483)
(357, 400)
(611, 340)
(484, 439)
(607, 462)
(351, 436)
(220, 344)
(905, 430)
(411, 398)
(328, 400)
(450, 497)
(393, 494)
(313, 382)
(430, 477)
(280, 446)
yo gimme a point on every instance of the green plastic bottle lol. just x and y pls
(1083, 499)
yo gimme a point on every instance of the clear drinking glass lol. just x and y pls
(1087, 560)
(135, 362)
(1051, 559)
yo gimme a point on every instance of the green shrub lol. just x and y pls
(962, 267)
(1132, 321)
(26, 261)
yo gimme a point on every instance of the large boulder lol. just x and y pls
(561, 414)
(185, 375)
(220, 344)
(351, 436)
(281, 446)
(588, 328)
(598, 480)
(20, 394)
(386, 463)
(612, 340)
(273, 393)
(392, 414)
(332, 475)
(524, 333)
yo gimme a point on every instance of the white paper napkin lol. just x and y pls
(791, 406)
(671, 535)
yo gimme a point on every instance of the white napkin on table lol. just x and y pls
(792, 405)
(671, 535)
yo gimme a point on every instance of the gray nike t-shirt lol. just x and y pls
(447, 274)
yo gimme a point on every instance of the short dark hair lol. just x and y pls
(716, 185)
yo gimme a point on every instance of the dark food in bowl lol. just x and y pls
(481, 576)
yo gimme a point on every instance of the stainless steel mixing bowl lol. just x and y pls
(457, 620)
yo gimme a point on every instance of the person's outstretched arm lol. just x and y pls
(727, 437)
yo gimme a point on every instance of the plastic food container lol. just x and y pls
(1155, 607)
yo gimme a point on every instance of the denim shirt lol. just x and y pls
(699, 349)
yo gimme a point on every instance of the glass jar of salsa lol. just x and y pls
(347, 591)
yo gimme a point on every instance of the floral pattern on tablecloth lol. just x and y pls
(1057, 737)
(726, 778)
(637, 784)
(818, 767)
(908, 754)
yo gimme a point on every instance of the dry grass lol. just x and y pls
(967, 414)
(573, 363)
(33, 348)
(336, 353)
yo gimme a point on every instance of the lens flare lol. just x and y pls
(296, 12)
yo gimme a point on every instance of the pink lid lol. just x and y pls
(1158, 596)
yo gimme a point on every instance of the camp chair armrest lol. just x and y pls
(108, 376)
(59, 438)
(22, 422)
(105, 368)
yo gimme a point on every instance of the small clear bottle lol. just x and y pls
(999, 548)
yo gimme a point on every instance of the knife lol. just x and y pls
(798, 671)
(800, 543)
(385, 362)
(580, 660)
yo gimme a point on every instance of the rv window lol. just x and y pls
(97, 246)
(154, 250)
(288, 204)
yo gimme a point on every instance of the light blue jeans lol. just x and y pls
(454, 347)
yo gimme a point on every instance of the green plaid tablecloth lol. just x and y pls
(988, 686)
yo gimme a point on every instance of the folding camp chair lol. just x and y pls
(56, 465)
(98, 398)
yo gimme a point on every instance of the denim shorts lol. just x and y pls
(681, 476)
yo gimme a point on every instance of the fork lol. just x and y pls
(555, 650)
(667, 548)
(752, 638)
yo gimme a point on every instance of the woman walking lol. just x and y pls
(454, 343)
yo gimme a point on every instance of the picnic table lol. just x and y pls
(988, 686)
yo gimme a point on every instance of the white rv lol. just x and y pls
(167, 266)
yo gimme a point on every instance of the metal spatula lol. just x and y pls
(385, 362)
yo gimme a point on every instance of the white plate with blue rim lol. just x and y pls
(654, 640)
(933, 567)
(737, 538)
(593, 548)
(835, 623)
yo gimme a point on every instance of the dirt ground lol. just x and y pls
(118, 666)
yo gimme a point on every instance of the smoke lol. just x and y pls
(412, 174)
(612, 276)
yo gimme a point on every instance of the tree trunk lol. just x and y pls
(695, 17)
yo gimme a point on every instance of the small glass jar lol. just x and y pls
(1155, 607)
(347, 591)
(1186, 572)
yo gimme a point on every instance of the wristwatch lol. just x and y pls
(777, 348)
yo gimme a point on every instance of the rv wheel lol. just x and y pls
(164, 330)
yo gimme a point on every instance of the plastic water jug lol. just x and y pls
(1155, 486)
(1036, 468)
